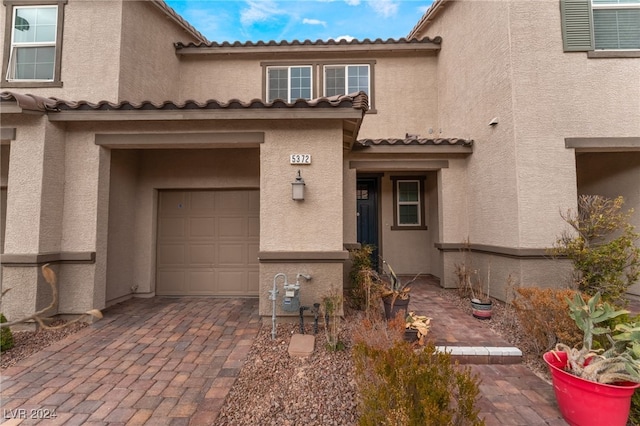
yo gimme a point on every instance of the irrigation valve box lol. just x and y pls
(291, 300)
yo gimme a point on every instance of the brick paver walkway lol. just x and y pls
(172, 361)
(510, 394)
(160, 361)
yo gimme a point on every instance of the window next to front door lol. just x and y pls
(409, 205)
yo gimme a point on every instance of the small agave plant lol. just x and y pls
(395, 288)
(619, 363)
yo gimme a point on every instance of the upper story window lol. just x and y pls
(345, 79)
(289, 83)
(616, 24)
(294, 80)
(33, 44)
(602, 25)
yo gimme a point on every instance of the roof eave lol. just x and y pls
(203, 114)
(427, 18)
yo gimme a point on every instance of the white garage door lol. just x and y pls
(208, 243)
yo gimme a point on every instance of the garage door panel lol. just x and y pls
(201, 202)
(232, 255)
(208, 243)
(202, 255)
(173, 203)
(253, 227)
(201, 228)
(231, 201)
(232, 227)
(171, 283)
(232, 282)
(252, 282)
(173, 227)
(171, 254)
(200, 282)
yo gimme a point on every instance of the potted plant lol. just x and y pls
(394, 293)
(481, 305)
(416, 327)
(595, 386)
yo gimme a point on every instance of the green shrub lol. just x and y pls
(601, 247)
(634, 414)
(399, 386)
(6, 337)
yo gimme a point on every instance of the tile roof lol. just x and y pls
(415, 141)
(179, 19)
(297, 43)
(37, 103)
(426, 19)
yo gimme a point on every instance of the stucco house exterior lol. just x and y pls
(162, 163)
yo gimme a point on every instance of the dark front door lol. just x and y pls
(367, 204)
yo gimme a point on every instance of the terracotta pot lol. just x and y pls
(390, 312)
(585, 403)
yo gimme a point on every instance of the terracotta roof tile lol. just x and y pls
(37, 103)
(415, 141)
(295, 43)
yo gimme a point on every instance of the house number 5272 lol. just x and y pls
(300, 159)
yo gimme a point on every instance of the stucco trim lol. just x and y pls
(303, 256)
(8, 133)
(253, 114)
(512, 252)
(597, 54)
(35, 259)
(392, 166)
(184, 140)
(603, 144)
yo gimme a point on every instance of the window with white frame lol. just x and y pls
(346, 79)
(616, 24)
(604, 25)
(289, 83)
(33, 47)
(409, 208)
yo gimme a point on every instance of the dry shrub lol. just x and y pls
(402, 387)
(543, 314)
(377, 333)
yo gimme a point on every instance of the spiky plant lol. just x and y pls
(619, 363)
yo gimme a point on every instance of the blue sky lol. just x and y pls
(254, 20)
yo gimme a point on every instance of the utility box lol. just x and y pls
(291, 299)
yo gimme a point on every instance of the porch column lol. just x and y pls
(33, 213)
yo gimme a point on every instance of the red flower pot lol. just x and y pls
(583, 402)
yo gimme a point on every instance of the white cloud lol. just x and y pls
(259, 11)
(352, 2)
(314, 22)
(344, 37)
(384, 8)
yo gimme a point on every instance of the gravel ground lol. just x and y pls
(26, 343)
(317, 390)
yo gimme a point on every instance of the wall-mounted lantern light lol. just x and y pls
(297, 188)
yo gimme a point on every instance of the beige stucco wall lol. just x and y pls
(121, 249)
(150, 69)
(220, 78)
(405, 99)
(521, 175)
(316, 224)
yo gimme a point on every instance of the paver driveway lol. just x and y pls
(156, 361)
